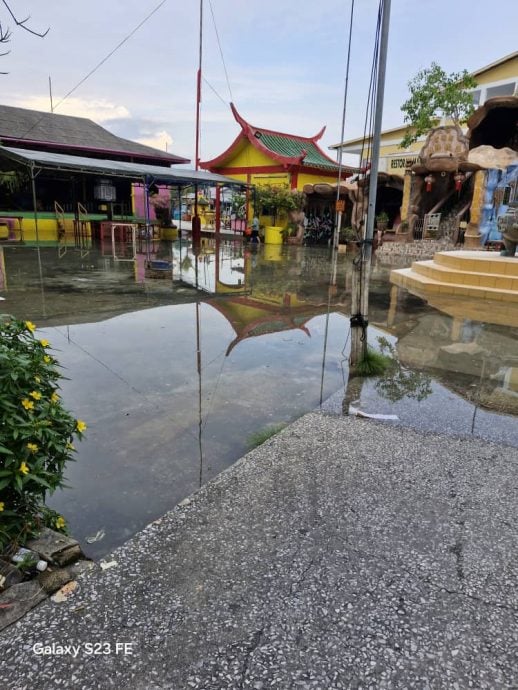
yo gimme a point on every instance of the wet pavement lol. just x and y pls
(175, 381)
(342, 553)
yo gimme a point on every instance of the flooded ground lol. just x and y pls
(180, 365)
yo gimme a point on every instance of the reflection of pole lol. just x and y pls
(198, 369)
(360, 306)
(36, 229)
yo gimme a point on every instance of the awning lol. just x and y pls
(45, 160)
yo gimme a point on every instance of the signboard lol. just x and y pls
(401, 163)
(340, 205)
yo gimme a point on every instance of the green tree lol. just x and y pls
(435, 94)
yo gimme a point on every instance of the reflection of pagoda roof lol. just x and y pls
(287, 149)
(251, 317)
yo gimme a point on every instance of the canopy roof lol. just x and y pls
(32, 129)
(288, 149)
(45, 160)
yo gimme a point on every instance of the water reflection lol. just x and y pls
(178, 357)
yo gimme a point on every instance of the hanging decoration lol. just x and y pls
(459, 178)
(429, 180)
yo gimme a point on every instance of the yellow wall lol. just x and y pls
(249, 156)
(47, 230)
(507, 70)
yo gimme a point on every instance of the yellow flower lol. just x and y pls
(60, 522)
(28, 404)
(24, 468)
(47, 359)
(35, 394)
(80, 425)
(37, 379)
(2, 506)
(54, 397)
(33, 447)
(30, 326)
(44, 342)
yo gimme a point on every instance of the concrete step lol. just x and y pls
(479, 262)
(447, 274)
(411, 279)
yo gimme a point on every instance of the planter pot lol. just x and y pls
(273, 234)
(168, 234)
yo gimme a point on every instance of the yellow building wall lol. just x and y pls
(47, 230)
(507, 70)
(249, 156)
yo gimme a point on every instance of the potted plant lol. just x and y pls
(382, 220)
(275, 202)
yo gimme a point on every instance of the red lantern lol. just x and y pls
(459, 178)
(429, 179)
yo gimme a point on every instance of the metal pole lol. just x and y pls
(360, 297)
(375, 154)
(196, 222)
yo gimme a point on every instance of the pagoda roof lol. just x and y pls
(287, 149)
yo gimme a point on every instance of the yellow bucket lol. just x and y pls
(273, 234)
(168, 233)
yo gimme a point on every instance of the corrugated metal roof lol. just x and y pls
(99, 166)
(51, 129)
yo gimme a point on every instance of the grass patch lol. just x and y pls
(259, 437)
(373, 364)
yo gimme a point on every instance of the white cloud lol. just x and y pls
(98, 110)
(159, 140)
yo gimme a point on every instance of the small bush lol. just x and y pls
(36, 433)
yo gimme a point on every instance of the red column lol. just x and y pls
(218, 210)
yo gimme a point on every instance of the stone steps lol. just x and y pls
(482, 275)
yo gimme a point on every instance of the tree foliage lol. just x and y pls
(435, 94)
(274, 200)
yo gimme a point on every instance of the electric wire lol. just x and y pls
(213, 89)
(220, 50)
(100, 63)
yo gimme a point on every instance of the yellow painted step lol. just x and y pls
(409, 279)
(445, 274)
(479, 262)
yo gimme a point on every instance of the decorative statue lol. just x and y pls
(508, 226)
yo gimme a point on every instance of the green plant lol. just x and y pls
(36, 433)
(382, 217)
(238, 205)
(372, 364)
(259, 437)
(435, 94)
(347, 235)
(272, 200)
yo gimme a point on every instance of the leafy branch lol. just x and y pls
(435, 94)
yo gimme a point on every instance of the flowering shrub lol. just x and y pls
(36, 433)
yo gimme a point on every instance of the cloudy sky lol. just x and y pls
(285, 61)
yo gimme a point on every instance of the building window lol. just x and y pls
(476, 97)
(501, 90)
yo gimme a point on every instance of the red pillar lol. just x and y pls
(218, 210)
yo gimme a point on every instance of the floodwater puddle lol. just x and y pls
(178, 366)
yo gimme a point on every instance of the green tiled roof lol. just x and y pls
(292, 147)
